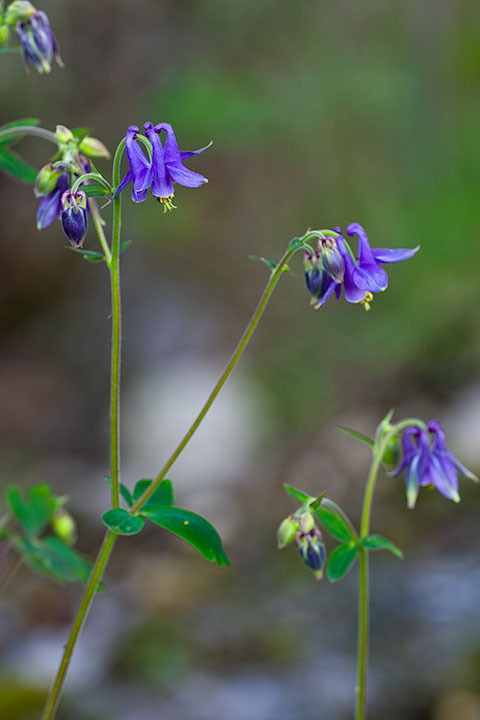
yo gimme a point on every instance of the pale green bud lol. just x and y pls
(19, 11)
(286, 532)
(306, 521)
(47, 179)
(64, 527)
(64, 135)
(93, 148)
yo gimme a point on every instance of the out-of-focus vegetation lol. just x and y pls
(321, 114)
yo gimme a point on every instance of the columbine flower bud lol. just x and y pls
(93, 148)
(19, 11)
(74, 216)
(312, 551)
(306, 521)
(287, 531)
(47, 180)
(63, 526)
(333, 261)
(64, 135)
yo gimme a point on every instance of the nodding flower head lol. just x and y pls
(427, 461)
(74, 216)
(160, 171)
(312, 551)
(334, 265)
(39, 44)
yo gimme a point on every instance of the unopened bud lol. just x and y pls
(64, 135)
(75, 216)
(63, 526)
(287, 531)
(93, 148)
(312, 551)
(333, 261)
(306, 521)
(19, 11)
(47, 180)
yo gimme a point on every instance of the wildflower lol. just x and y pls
(74, 216)
(334, 265)
(39, 44)
(312, 551)
(165, 167)
(427, 461)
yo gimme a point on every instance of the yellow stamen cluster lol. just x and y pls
(167, 203)
(367, 300)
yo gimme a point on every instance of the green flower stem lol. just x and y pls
(29, 130)
(110, 537)
(363, 599)
(272, 283)
(114, 267)
(53, 699)
(97, 221)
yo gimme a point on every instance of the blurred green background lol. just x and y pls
(321, 114)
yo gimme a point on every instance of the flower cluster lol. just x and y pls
(39, 45)
(427, 461)
(332, 265)
(302, 529)
(161, 169)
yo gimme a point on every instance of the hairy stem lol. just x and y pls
(110, 538)
(21, 130)
(364, 587)
(53, 699)
(250, 329)
(114, 267)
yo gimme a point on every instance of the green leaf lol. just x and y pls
(378, 542)
(163, 495)
(90, 255)
(340, 561)
(10, 48)
(124, 491)
(334, 523)
(317, 502)
(295, 244)
(298, 494)
(122, 523)
(268, 263)
(52, 557)
(192, 528)
(358, 436)
(13, 165)
(123, 246)
(80, 132)
(33, 513)
(31, 122)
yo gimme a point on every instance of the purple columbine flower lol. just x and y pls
(335, 265)
(39, 44)
(427, 461)
(165, 168)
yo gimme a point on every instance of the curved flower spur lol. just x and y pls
(333, 265)
(161, 169)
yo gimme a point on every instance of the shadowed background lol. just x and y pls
(321, 114)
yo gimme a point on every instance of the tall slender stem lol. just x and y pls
(364, 585)
(110, 537)
(114, 267)
(93, 582)
(237, 354)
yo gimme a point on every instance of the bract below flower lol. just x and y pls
(163, 170)
(427, 461)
